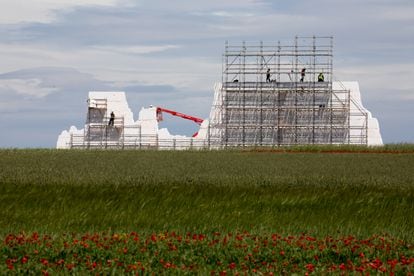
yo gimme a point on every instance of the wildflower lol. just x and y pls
(310, 267)
(35, 236)
(25, 259)
(154, 237)
(60, 262)
(392, 263)
(44, 261)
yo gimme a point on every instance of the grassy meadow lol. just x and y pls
(297, 191)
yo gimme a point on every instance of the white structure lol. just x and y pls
(125, 132)
(270, 95)
(145, 133)
(356, 122)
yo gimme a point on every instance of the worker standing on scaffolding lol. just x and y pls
(321, 78)
(302, 74)
(268, 75)
(112, 119)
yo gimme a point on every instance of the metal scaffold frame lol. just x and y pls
(99, 134)
(271, 96)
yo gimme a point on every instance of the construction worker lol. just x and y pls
(321, 78)
(112, 119)
(268, 75)
(302, 74)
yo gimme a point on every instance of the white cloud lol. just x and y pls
(396, 13)
(187, 5)
(86, 38)
(136, 50)
(231, 14)
(44, 11)
(25, 87)
(116, 66)
(18, 11)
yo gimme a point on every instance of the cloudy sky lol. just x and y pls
(168, 53)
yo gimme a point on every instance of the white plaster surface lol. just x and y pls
(374, 134)
(146, 129)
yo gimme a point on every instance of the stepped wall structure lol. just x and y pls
(270, 95)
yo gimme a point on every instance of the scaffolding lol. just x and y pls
(270, 95)
(280, 94)
(98, 133)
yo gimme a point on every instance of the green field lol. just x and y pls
(309, 193)
(321, 193)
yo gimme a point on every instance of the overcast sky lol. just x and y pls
(168, 53)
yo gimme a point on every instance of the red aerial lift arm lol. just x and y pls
(160, 110)
(178, 114)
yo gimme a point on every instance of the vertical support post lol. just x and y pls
(279, 106)
(106, 136)
(313, 87)
(140, 137)
(123, 133)
(296, 89)
(366, 129)
(224, 114)
(208, 135)
(261, 99)
(331, 115)
(242, 93)
(348, 114)
(87, 128)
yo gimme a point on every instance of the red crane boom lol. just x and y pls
(178, 114)
(196, 120)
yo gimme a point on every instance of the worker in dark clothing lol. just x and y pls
(268, 75)
(112, 119)
(302, 74)
(321, 78)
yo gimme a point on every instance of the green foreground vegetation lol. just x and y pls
(299, 210)
(320, 193)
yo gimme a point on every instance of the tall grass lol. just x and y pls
(324, 194)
